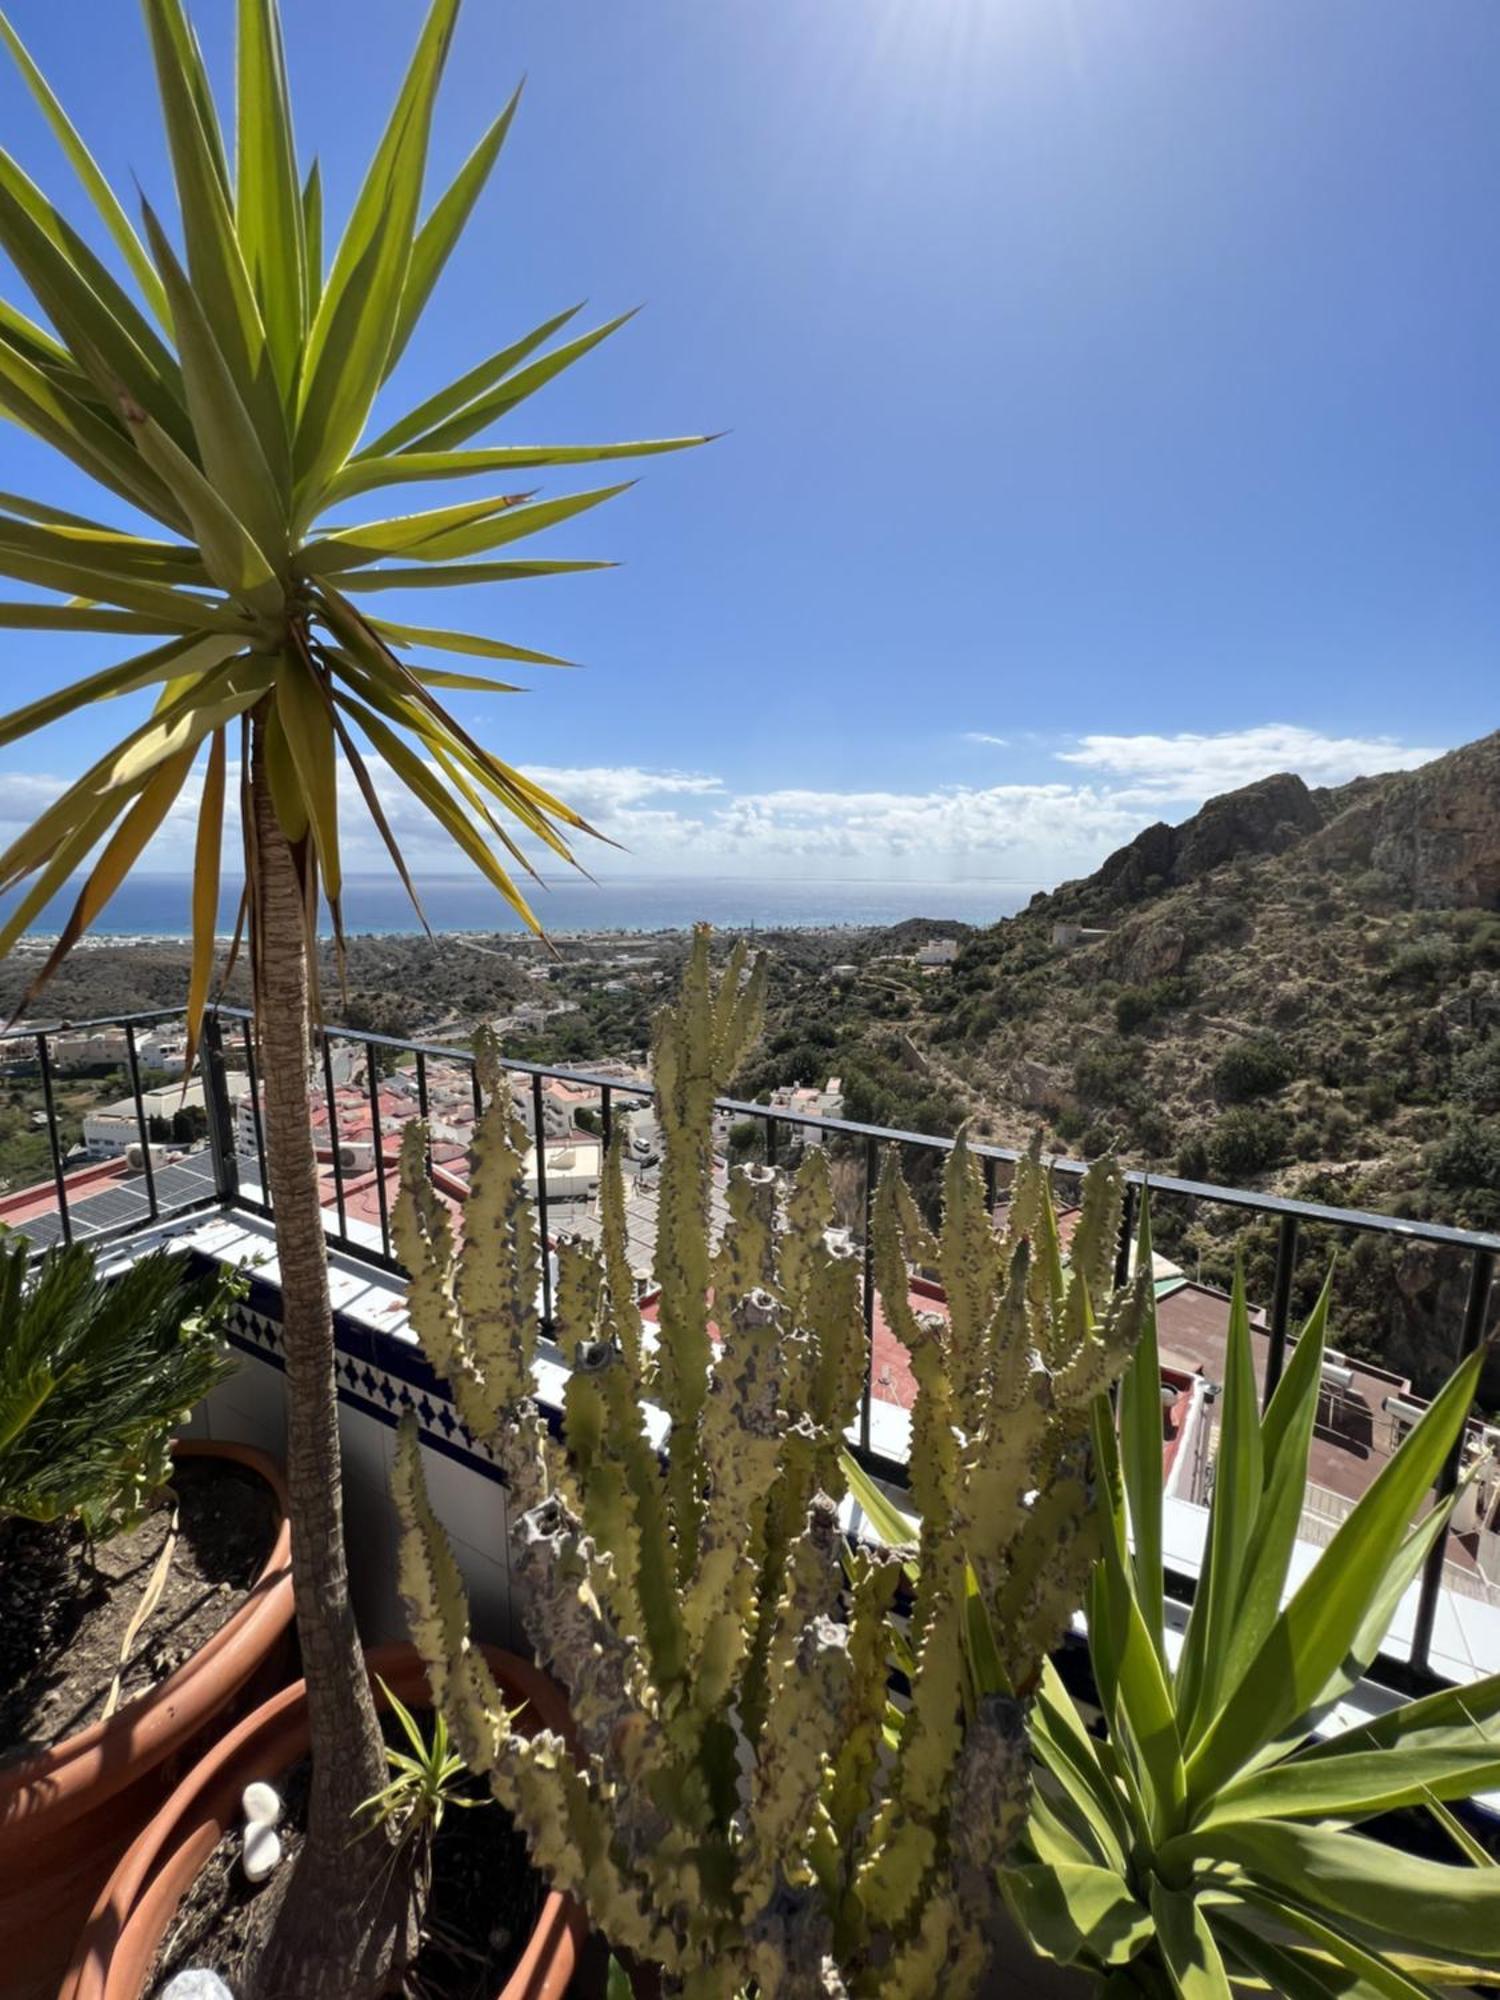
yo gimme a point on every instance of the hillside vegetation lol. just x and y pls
(1296, 990)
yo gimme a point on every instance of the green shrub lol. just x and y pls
(1375, 889)
(1306, 1141)
(1424, 962)
(1254, 1067)
(95, 1375)
(1378, 1098)
(1338, 1059)
(1107, 1073)
(1069, 1124)
(1468, 1160)
(1154, 1133)
(1136, 1006)
(1476, 1076)
(1246, 1141)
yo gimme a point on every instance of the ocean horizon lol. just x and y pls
(158, 906)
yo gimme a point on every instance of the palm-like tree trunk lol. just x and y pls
(343, 1923)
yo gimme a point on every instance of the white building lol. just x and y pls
(111, 1129)
(941, 951)
(164, 1049)
(572, 1169)
(88, 1048)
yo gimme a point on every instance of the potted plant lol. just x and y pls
(745, 1807)
(224, 391)
(141, 1590)
(115, 1952)
(1213, 1834)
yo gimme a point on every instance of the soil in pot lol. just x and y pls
(486, 1899)
(65, 1610)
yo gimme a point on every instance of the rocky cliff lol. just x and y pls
(1434, 832)
(1264, 818)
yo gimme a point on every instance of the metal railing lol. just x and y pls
(90, 1213)
(235, 1155)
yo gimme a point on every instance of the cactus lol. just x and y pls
(743, 1802)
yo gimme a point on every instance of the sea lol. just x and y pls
(157, 906)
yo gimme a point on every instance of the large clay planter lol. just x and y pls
(115, 1953)
(69, 1813)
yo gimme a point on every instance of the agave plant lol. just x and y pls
(219, 390)
(1212, 1836)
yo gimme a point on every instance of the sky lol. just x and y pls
(1110, 392)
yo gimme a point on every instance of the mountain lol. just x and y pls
(1295, 989)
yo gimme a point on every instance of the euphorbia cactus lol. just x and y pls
(745, 1804)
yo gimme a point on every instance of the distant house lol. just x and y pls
(110, 1130)
(938, 952)
(810, 1102)
(1066, 936)
(89, 1049)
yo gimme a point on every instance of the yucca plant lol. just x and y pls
(427, 1779)
(95, 1375)
(1210, 1840)
(222, 388)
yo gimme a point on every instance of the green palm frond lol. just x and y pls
(223, 387)
(95, 1375)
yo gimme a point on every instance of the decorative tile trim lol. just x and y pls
(378, 1375)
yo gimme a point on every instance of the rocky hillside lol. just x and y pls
(1295, 989)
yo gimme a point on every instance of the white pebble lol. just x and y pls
(261, 1851)
(262, 1804)
(196, 1984)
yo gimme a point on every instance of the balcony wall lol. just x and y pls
(381, 1375)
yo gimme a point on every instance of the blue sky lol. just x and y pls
(1111, 388)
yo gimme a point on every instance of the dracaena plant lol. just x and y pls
(743, 1804)
(216, 381)
(1212, 1837)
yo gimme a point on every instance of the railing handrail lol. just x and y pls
(1261, 1201)
(27, 1031)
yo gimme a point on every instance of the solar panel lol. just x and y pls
(114, 1207)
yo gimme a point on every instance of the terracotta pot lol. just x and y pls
(69, 1813)
(114, 1956)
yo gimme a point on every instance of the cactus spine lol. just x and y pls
(744, 1803)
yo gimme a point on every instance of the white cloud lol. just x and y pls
(1193, 766)
(693, 822)
(983, 736)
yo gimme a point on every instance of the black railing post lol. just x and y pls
(140, 1120)
(1281, 1303)
(541, 1198)
(59, 1176)
(770, 1125)
(1481, 1277)
(252, 1076)
(423, 1109)
(382, 1201)
(991, 1185)
(867, 1396)
(333, 1133)
(607, 1116)
(221, 1136)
